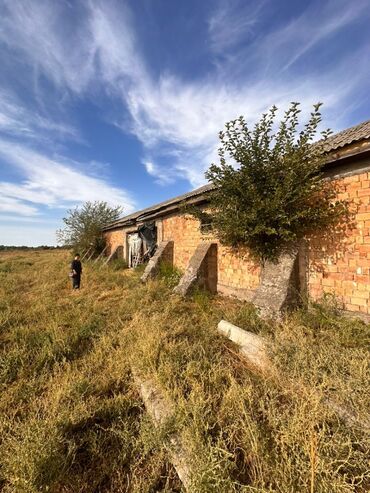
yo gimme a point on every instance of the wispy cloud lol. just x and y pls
(170, 116)
(231, 22)
(185, 117)
(10, 204)
(17, 120)
(319, 22)
(52, 182)
(44, 40)
(162, 176)
(37, 219)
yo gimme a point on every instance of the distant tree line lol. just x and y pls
(24, 247)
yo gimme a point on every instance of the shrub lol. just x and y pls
(83, 226)
(271, 192)
(169, 274)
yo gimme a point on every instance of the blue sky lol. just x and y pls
(122, 100)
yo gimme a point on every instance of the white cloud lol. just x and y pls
(52, 182)
(37, 219)
(190, 117)
(11, 204)
(170, 115)
(163, 176)
(185, 117)
(114, 43)
(286, 45)
(62, 51)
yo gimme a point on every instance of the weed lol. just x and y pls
(169, 274)
(118, 264)
(140, 269)
(5, 267)
(71, 418)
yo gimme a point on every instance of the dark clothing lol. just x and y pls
(76, 266)
(76, 279)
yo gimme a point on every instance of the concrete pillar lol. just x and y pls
(164, 253)
(161, 410)
(202, 270)
(279, 287)
(251, 345)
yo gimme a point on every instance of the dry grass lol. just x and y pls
(72, 421)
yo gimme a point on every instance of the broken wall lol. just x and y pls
(339, 265)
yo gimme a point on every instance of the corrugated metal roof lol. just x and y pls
(348, 136)
(135, 215)
(345, 137)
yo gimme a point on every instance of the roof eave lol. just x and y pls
(336, 157)
(174, 207)
(361, 150)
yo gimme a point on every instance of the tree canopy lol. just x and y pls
(83, 226)
(269, 187)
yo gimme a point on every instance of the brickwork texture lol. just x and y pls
(339, 265)
(236, 273)
(113, 238)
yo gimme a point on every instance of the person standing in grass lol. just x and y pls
(76, 271)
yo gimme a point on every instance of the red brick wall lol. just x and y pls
(342, 267)
(113, 238)
(236, 275)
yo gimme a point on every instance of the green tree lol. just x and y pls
(83, 226)
(269, 188)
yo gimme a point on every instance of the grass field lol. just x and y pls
(71, 418)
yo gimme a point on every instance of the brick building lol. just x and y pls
(340, 266)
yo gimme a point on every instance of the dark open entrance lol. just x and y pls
(142, 244)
